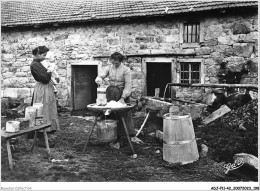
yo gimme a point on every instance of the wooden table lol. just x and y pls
(7, 136)
(121, 112)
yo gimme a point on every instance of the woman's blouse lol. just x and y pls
(120, 77)
(39, 72)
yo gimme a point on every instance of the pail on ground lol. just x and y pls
(179, 139)
(107, 130)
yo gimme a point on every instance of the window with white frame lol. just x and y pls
(190, 72)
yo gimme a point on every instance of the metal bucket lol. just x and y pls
(107, 130)
(179, 139)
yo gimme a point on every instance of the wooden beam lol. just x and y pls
(252, 86)
(216, 114)
(151, 55)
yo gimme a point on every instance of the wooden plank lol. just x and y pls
(216, 114)
(6, 135)
(158, 103)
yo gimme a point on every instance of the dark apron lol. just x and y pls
(115, 93)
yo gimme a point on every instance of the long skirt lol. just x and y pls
(44, 93)
(115, 93)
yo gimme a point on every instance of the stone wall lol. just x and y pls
(233, 38)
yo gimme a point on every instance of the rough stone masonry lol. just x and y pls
(230, 37)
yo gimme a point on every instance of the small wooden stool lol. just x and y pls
(7, 136)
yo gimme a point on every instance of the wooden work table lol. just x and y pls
(7, 136)
(121, 112)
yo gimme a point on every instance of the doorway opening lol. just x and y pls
(84, 88)
(158, 75)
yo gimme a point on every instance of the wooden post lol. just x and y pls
(9, 154)
(173, 94)
(157, 92)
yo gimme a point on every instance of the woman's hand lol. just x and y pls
(98, 80)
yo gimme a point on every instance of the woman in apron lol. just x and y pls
(119, 89)
(44, 93)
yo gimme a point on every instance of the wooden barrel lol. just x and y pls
(179, 139)
(107, 130)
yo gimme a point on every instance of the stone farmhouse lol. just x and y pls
(163, 42)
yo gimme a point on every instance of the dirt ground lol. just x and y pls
(101, 162)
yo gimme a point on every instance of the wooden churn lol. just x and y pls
(107, 130)
(39, 109)
(179, 139)
(39, 113)
(30, 114)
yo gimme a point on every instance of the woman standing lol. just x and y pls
(44, 93)
(120, 87)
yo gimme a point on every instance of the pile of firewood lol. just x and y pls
(246, 116)
(235, 132)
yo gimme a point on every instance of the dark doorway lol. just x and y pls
(158, 75)
(84, 88)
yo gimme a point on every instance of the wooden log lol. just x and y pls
(216, 114)
(30, 113)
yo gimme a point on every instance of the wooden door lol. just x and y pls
(84, 88)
